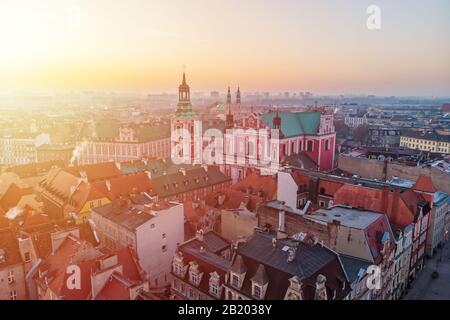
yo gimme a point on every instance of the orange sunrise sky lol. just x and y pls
(298, 45)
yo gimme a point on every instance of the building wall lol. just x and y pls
(287, 189)
(437, 227)
(352, 242)
(18, 285)
(96, 152)
(150, 241)
(425, 145)
(375, 169)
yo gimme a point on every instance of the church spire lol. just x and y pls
(238, 96)
(229, 96)
(229, 121)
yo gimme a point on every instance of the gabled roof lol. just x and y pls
(261, 276)
(238, 265)
(88, 260)
(425, 184)
(295, 123)
(116, 288)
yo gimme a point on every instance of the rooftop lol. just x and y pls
(347, 216)
(131, 216)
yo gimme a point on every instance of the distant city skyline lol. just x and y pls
(140, 46)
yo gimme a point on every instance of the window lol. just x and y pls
(177, 269)
(214, 289)
(256, 291)
(190, 293)
(235, 281)
(322, 204)
(11, 277)
(164, 248)
(27, 257)
(309, 146)
(164, 236)
(327, 144)
(13, 295)
(194, 278)
(229, 295)
(91, 204)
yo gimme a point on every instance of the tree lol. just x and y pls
(360, 133)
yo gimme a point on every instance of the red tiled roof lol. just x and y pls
(193, 212)
(399, 207)
(116, 288)
(264, 186)
(67, 190)
(360, 197)
(124, 185)
(34, 219)
(130, 264)
(56, 266)
(96, 172)
(374, 234)
(425, 184)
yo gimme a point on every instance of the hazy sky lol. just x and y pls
(322, 46)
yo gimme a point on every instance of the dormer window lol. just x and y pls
(256, 291)
(214, 289)
(214, 284)
(237, 272)
(195, 276)
(294, 292)
(235, 280)
(178, 266)
(260, 281)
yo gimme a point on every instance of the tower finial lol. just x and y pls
(184, 74)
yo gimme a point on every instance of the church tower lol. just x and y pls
(229, 121)
(184, 107)
(186, 119)
(238, 101)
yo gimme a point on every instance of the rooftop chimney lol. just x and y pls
(291, 254)
(199, 235)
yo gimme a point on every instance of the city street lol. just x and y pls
(426, 288)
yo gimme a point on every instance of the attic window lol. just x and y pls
(235, 280)
(256, 291)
